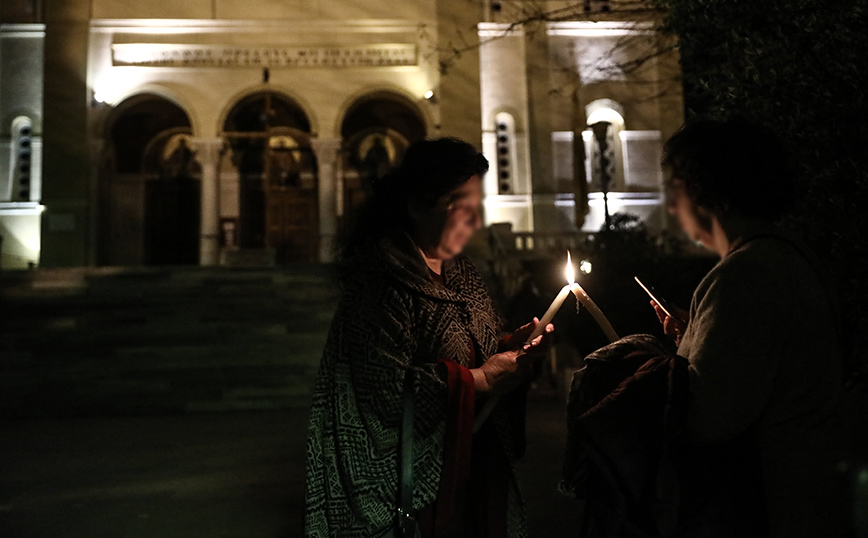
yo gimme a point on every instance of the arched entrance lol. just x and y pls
(375, 131)
(149, 186)
(605, 123)
(269, 135)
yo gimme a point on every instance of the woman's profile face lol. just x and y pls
(693, 219)
(445, 229)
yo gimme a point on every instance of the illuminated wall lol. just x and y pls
(515, 94)
(585, 83)
(21, 109)
(205, 56)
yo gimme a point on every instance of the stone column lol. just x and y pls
(326, 151)
(208, 154)
(97, 234)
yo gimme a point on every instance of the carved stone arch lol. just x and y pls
(107, 113)
(395, 94)
(276, 174)
(297, 100)
(148, 209)
(375, 130)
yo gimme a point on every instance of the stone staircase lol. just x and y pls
(96, 341)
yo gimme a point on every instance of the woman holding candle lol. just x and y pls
(765, 368)
(412, 308)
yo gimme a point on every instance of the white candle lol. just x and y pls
(595, 311)
(550, 313)
(538, 330)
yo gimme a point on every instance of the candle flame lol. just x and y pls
(569, 271)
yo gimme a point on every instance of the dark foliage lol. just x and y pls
(801, 68)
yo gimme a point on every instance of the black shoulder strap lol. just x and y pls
(405, 522)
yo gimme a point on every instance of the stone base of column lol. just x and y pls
(209, 250)
(207, 152)
(327, 245)
(327, 160)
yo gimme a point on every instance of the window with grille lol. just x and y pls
(22, 152)
(505, 132)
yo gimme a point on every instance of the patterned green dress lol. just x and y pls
(392, 317)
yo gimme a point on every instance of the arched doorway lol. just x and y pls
(605, 123)
(149, 186)
(269, 135)
(375, 131)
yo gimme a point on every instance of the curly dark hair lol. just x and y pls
(731, 168)
(429, 170)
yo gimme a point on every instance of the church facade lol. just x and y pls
(221, 132)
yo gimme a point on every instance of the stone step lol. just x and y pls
(70, 332)
(143, 340)
(273, 302)
(72, 282)
(286, 348)
(156, 398)
(151, 294)
(134, 387)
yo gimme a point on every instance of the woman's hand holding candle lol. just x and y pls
(521, 337)
(537, 332)
(543, 325)
(508, 369)
(501, 373)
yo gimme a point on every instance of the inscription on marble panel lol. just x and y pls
(171, 55)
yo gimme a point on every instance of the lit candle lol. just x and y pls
(585, 299)
(556, 304)
(550, 313)
(538, 330)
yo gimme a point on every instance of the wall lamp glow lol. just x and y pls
(97, 99)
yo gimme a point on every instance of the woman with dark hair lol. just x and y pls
(760, 337)
(414, 347)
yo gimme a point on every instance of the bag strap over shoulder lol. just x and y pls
(405, 521)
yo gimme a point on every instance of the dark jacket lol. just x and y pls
(765, 363)
(631, 459)
(626, 414)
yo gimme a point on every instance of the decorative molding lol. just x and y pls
(326, 149)
(230, 26)
(184, 55)
(631, 198)
(565, 198)
(207, 150)
(509, 200)
(22, 30)
(497, 29)
(641, 135)
(599, 29)
(21, 208)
